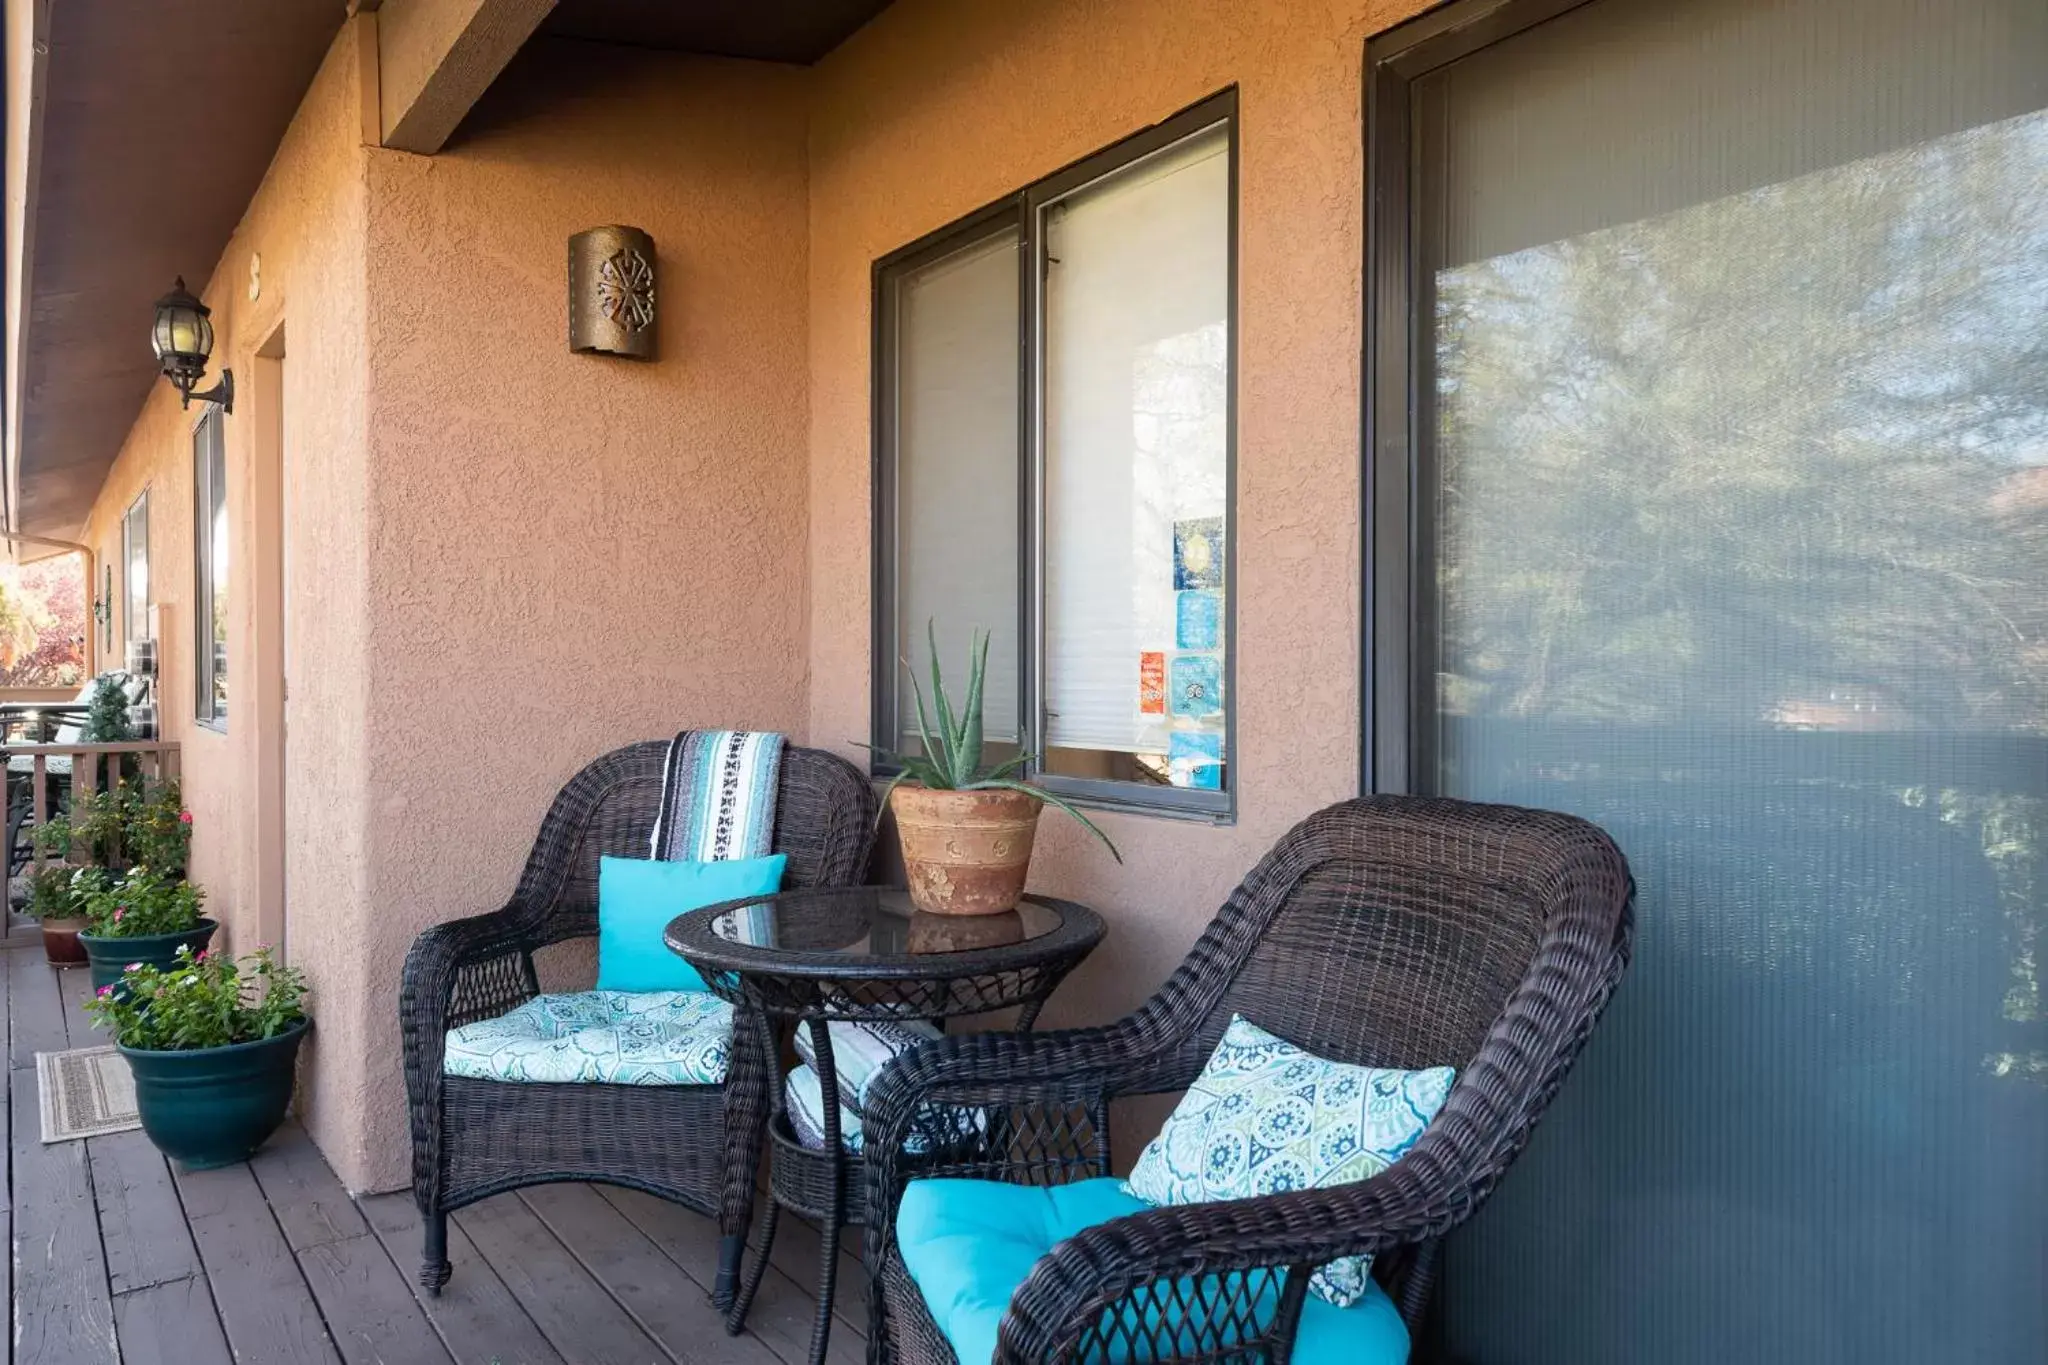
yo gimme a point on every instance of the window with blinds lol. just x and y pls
(1054, 419)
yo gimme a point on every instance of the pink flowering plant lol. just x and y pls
(156, 829)
(143, 902)
(203, 1000)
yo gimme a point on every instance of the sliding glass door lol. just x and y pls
(1710, 472)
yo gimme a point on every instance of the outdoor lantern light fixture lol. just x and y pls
(183, 340)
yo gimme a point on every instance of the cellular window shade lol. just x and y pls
(957, 464)
(1137, 281)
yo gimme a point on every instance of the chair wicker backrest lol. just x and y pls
(1395, 931)
(824, 822)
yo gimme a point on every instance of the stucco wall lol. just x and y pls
(939, 107)
(569, 552)
(306, 223)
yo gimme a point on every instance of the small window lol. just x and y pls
(1055, 419)
(135, 569)
(210, 570)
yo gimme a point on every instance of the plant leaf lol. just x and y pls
(924, 733)
(1043, 795)
(942, 706)
(969, 757)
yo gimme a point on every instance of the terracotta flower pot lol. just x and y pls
(60, 942)
(966, 853)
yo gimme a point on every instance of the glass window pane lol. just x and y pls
(956, 475)
(1136, 521)
(135, 553)
(1738, 475)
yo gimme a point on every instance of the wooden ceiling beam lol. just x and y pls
(437, 57)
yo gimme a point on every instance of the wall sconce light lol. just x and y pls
(611, 292)
(183, 341)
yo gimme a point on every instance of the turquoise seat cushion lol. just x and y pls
(1266, 1117)
(637, 897)
(598, 1037)
(969, 1244)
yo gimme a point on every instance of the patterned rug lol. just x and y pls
(85, 1092)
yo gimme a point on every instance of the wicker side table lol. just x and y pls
(864, 953)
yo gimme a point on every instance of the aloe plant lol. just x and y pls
(953, 748)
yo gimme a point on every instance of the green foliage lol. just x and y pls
(143, 902)
(131, 824)
(156, 829)
(49, 892)
(953, 758)
(106, 717)
(203, 1000)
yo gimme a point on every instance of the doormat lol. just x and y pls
(84, 1093)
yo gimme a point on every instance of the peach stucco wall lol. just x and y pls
(306, 224)
(940, 106)
(570, 552)
(505, 559)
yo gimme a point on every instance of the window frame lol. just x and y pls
(1023, 212)
(133, 622)
(209, 434)
(1397, 721)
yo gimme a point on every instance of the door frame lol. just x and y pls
(1396, 727)
(267, 625)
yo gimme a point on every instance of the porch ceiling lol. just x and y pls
(767, 30)
(156, 124)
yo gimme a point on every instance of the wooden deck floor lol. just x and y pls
(119, 1257)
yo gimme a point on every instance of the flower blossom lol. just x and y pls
(184, 817)
(106, 991)
(119, 911)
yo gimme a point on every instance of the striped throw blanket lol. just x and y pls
(718, 796)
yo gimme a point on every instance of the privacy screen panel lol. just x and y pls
(1732, 459)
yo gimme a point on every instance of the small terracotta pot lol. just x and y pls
(966, 853)
(60, 942)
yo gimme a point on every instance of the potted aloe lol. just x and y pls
(213, 1044)
(967, 826)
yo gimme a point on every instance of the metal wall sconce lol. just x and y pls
(183, 341)
(611, 292)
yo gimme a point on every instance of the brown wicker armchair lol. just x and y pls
(1392, 931)
(696, 1145)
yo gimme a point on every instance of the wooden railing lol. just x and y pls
(93, 767)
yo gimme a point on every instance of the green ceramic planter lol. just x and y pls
(215, 1106)
(111, 956)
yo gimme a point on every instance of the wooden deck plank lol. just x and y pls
(63, 1312)
(370, 1313)
(479, 1321)
(796, 1255)
(74, 988)
(142, 1224)
(264, 1302)
(173, 1323)
(782, 1311)
(583, 1321)
(668, 1304)
(311, 1206)
(35, 1011)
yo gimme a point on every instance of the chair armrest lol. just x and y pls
(1043, 1098)
(1223, 1279)
(456, 973)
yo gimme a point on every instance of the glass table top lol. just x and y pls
(875, 922)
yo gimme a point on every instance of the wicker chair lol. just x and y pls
(1391, 931)
(696, 1145)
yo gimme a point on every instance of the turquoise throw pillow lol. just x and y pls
(1265, 1117)
(637, 897)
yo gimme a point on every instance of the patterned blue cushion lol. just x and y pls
(803, 1099)
(1265, 1117)
(608, 1037)
(860, 1049)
